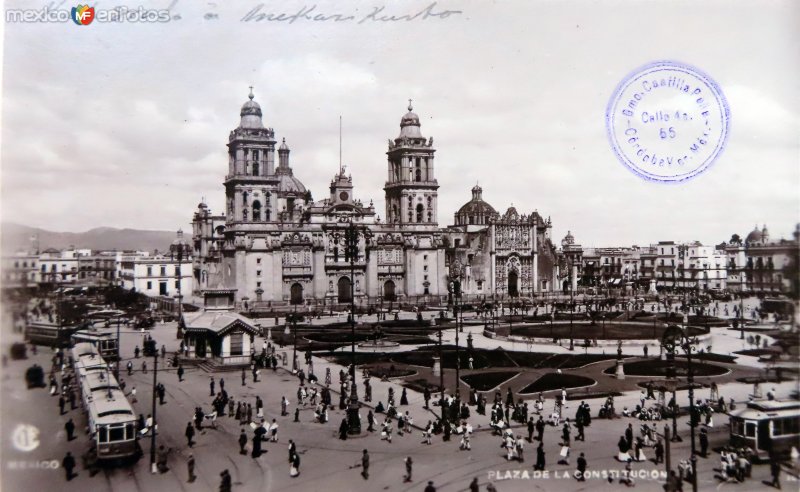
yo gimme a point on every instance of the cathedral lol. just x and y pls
(275, 246)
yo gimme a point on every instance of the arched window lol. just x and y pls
(395, 213)
(344, 286)
(256, 211)
(420, 212)
(267, 215)
(244, 198)
(255, 168)
(296, 294)
(418, 173)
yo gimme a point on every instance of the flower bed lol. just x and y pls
(554, 381)
(486, 381)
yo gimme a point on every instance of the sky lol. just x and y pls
(126, 124)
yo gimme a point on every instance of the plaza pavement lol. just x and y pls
(327, 463)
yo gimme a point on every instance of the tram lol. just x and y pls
(106, 342)
(767, 426)
(112, 421)
(49, 334)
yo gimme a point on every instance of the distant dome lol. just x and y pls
(755, 236)
(251, 113)
(569, 239)
(409, 124)
(287, 183)
(475, 211)
(283, 145)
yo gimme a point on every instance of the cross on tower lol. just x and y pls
(410, 108)
(251, 92)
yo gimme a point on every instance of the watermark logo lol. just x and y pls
(25, 437)
(83, 15)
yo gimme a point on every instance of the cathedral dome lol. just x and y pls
(475, 211)
(568, 240)
(755, 236)
(287, 183)
(409, 124)
(251, 113)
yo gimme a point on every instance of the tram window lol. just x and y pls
(785, 427)
(102, 433)
(117, 434)
(129, 432)
(750, 429)
(736, 427)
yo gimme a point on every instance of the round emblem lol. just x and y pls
(667, 122)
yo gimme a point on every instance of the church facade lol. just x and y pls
(275, 246)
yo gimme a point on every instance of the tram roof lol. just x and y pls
(766, 409)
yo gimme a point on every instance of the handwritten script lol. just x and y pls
(376, 14)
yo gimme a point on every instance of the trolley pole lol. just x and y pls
(153, 466)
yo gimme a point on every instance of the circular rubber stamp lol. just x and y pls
(667, 121)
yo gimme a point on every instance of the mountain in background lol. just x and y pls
(15, 237)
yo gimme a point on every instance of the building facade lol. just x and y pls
(275, 245)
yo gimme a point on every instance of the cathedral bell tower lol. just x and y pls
(251, 179)
(411, 189)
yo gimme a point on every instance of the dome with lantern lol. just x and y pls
(475, 211)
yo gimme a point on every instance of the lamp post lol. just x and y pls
(675, 337)
(153, 466)
(352, 236)
(455, 288)
(293, 315)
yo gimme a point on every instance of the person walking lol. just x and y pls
(775, 470)
(659, 449)
(68, 463)
(242, 442)
(629, 436)
(579, 426)
(430, 487)
(70, 428)
(409, 469)
(190, 468)
(225, 482)
(189, 434)
(144, 367)
(474, 486)
(294, 469)
(365, 465)
(540, 429)
(244, 377)
(539, 457)
(427, 396)
(273, 431)
(222, 384)
(180, 373)
(211, 387)
(581, 468)
(703, 442)
(129, 365)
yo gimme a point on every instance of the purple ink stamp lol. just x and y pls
(667, 122)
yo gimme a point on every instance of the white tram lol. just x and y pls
(112, 421)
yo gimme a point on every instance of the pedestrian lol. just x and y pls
(242, 442)
(431, 488)
(61, 403)
(629, 436)
(284, 405)
(144, 367)
(256, 452)
(136, 352)
(189, 434)
(180, 373)
(409, 469)
(659, 449)
(343, 430)
(539, 457)
(427, 396)
(68, 463)
(273, 431)
(703, 442)
(531, 427)
(190, 468)
(133, 395)
(540, 428)
(370, 422)
(70, 428)
(292, 449)
(297, 414)
(775, 470)
(225, 482)
(474, 486)
(581, 468)
(580, 436)
(365, 465)
(129, 365)
(294, 469)
(211, 387)
(163, 352)
(403, 397)
(244, 377)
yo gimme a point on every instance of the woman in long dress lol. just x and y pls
(294, 468)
